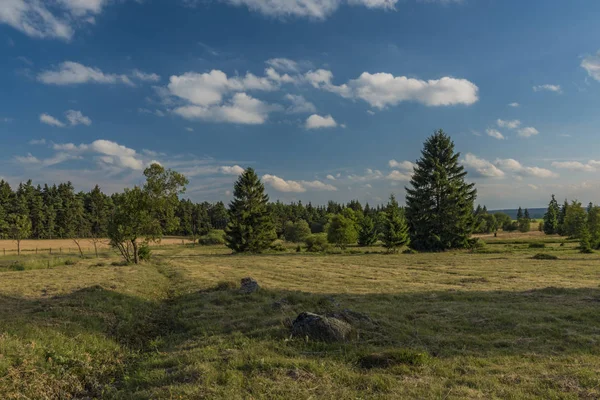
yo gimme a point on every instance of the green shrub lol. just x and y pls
(70, 262)
(16, 266)
(298, 249)
(144, 252)
(277, 245)
(409, 251)
(316, 243)
(475, 244)
(544, 256)
(215, 237)
(537, 245)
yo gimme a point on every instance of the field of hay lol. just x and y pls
(491, 324)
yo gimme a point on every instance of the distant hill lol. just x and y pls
(534, 213)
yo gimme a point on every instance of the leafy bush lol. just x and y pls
(316, 243)
(537, 245)
(16, 266)
(70, 262)
(474, 244)
(278, 246)
(409, 251)
(544, 256)
(144, 252)
(215, 237)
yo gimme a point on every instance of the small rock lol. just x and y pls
(318, 327)
(280, 304)
(249, 285)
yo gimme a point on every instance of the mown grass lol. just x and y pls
(454, 325)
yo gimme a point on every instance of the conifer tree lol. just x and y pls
(440, 203)
(519, 214)
(367, 232)
(395, 229)
(551, 217)
(561, 218)
(250, 227)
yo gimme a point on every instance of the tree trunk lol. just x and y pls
(135, 251)
(18, 247)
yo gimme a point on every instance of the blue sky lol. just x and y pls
(326, 99)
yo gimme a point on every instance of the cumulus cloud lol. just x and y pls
(330, 177)
(514, 105)
(481, 167)
(318, 185)
(590, 166)
(145, 77)
(548, 88)
(399, 176)
(72, 73)
(282, 185)
(50, 120)
(299, 105)
(77, 118)
(233, 170)
(494, 133)
(241, 109)
(528, 132)
(370, 175)
(313, 9)
(382, 89)
(317, 122)
(515, 166)
(28, 159)
(403, 165)
(592, 65)
(508, 124)
(106, 152)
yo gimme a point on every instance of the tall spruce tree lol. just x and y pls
(440, 203)
(561, 218)
(395, 229)
(367, 232)
(250, 227)
(551, 217)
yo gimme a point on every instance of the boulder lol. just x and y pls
(318, 327)
(249, 285)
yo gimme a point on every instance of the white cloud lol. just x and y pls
(508, 124)
(592, 65)
(316, 122)
(108, 153)
(318, 185)
(514, 105)
(591, 166)
(145, 77)
(72, 73)
(34, 19)
(403, 165)
(330, 177)
(548, 88)
(50, 120)
(242, 109)
(528, 132)
(522, 171)
(399, 176)
(234, 170)
(495, 134)
(28, 159)
(299, 105)
(370, 175)
(481, 167)
(283, 64)
(314, 9)
(76, 118)
(382, 89)
(282, 185)
(35, 142)
(189, 129)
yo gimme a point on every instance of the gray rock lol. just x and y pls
(249, 285)
(318, 327)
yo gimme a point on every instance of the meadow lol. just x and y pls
(492, 323)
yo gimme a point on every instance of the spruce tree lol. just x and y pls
(440, 203)
(551, 217)
(561, 218)
(519, 214)
(367, 232)
(395, 229)
(250, 227)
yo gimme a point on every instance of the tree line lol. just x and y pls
(574, 221)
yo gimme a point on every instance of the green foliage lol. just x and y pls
(278, 245)
(395, 229)
(503, 220)
(250, 228)
(574, 221)
(536, 245)
(367, 232)
(341, 230)
(144, 252)
(317, 243)
(440, 203)
(524, 222)
(562, 215)
(296, 232)
(215, 237)
(593, 226)
(19, 228)
(551, 217)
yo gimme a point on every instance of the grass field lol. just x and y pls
(491, 324)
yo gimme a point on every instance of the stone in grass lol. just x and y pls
(318, 327)
(249, 286)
